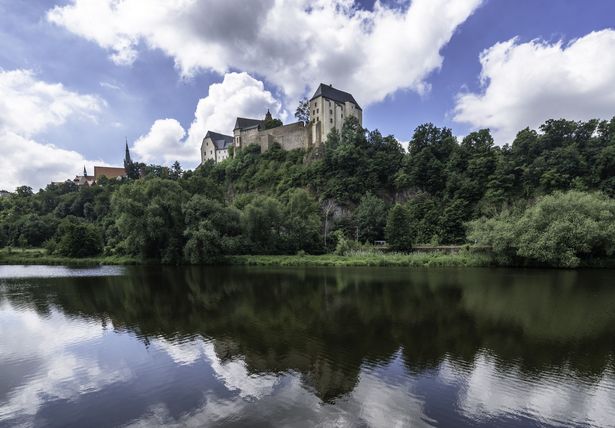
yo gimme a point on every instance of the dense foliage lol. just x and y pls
(560, 230)
(359, 186)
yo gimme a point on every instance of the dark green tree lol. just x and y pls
(398, 231)
(370, 218)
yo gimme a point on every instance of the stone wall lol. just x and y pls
(290, 137)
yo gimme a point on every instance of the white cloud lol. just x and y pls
(27, 162)
(29, 107)
(162, 142)
(238, 94)
(524, 84)
(294, 43)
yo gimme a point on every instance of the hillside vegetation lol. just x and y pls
(545, 199)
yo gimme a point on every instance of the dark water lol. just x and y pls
(306, 347)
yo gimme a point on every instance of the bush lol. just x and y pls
(561, 230)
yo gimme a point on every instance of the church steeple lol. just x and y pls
(85, 173)
(268, 117)
(127, 159)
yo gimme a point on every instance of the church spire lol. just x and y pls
(127, 159)
(85, 173)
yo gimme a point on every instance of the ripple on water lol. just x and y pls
(44, 271)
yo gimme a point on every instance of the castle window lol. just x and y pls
(331, 120)
(330, 111)
(317, 111)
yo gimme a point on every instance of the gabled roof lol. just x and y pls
(221, 141)
(244, 123)
(328, 91)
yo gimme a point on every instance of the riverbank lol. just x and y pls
(462, 258)
(39, 256)
(359, 258)
(434, 259)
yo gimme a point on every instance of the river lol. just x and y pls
(377, 347)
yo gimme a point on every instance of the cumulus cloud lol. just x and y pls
(163, 141)
(29, 107)
(524, 84)
(294, 43)
(238, 94)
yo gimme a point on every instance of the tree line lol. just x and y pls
(357, 188)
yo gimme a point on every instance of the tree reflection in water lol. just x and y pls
(502, 332)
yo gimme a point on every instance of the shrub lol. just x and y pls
(562, 229)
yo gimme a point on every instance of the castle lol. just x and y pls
(328, 108)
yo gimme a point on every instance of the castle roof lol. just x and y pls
(245, 123)
(220, 141)
(328, 91)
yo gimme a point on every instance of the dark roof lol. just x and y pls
(243, 123)
(221, 141)
(328, 91)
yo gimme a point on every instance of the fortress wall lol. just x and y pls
(290, 137)
(250, 136)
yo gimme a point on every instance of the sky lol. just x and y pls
(78, 78)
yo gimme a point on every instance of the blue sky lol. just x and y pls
(407, 62)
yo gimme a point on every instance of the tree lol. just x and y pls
(77, 238)
(176, 171)
(270, 123)
(212, 230)
(261, 222)
(303, 111)
(370, 218)
(328, 206)
(302, 222)
(148, 215)
(24, 191)
(398, 233)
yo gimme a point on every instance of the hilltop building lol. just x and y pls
(215, 146)
(111, 172)
(329, 107)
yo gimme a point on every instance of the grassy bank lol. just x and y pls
(461, 259)
(41, 257)
(357, 258)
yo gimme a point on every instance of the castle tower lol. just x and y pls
(329, 108)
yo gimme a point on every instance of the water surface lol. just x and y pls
(255, 347)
